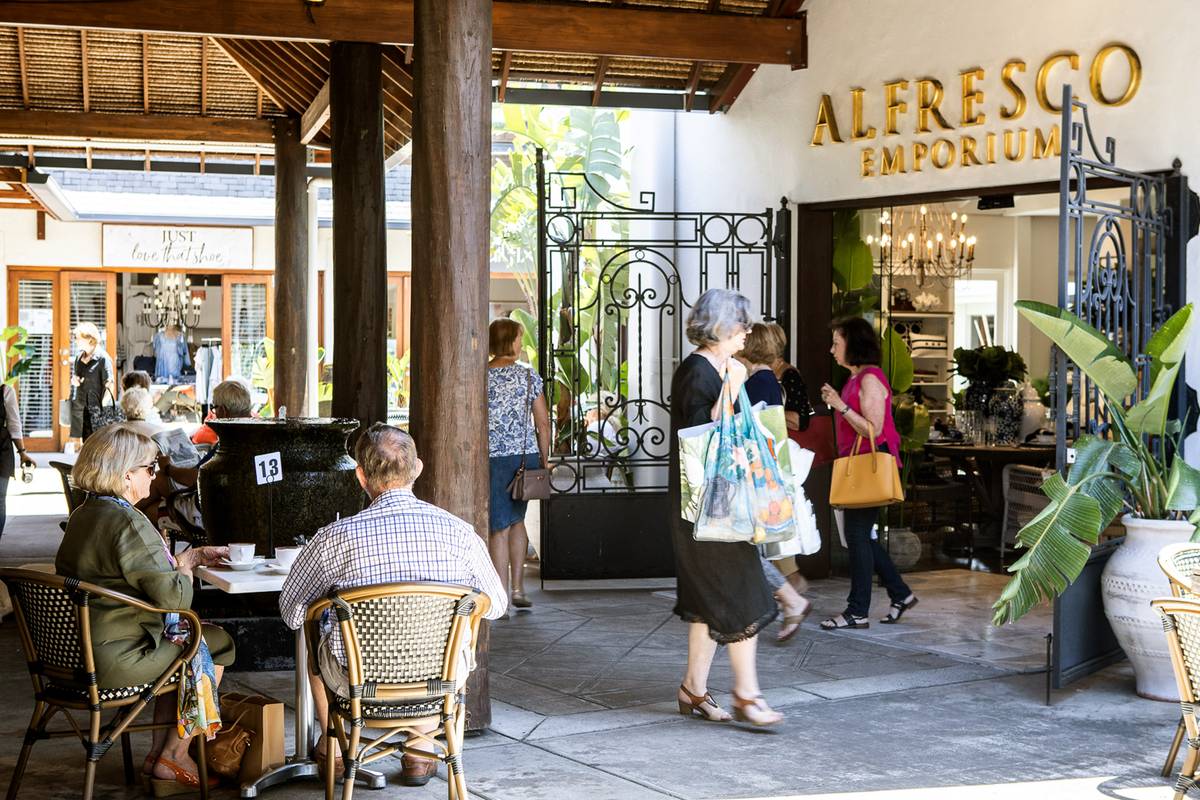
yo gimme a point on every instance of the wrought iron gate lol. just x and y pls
(1114, 274)
(616, 282)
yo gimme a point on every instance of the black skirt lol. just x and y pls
(720, 584)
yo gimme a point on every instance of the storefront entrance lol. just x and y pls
(49, 304)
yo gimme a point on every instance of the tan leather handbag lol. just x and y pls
(226, 751)
(865, 480)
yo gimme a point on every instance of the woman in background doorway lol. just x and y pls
(92, 377)
(514, 395)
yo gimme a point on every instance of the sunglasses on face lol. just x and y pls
(152, 468)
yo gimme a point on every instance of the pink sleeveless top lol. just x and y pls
(850, 396)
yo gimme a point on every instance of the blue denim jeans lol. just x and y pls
(868, 558)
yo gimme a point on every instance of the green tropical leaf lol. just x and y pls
(1169, 342)
(897, 361)
(853, 266)
(1059, 539)
(1099, 358)
(1149, 415)
(1183, 486)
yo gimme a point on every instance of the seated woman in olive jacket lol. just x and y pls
(110, 543)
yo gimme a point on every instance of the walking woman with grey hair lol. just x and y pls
(721, 589)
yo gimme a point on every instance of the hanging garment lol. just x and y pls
(208, 372)
(170, 357)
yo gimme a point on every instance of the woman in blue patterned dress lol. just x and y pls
(514, 395)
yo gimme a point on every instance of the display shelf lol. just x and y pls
(921, 314)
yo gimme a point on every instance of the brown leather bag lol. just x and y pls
(226, 751)
(529, 484)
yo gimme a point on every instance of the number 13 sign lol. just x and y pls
(268, 468)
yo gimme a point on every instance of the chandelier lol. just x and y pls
(930, 244)
(172, 304)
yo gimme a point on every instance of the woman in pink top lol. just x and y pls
(864, 405)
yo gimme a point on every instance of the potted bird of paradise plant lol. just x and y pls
(1139, 472)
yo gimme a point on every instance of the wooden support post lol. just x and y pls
(291, 269)
(359, 247)
(450, 186)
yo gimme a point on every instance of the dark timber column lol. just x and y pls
(359, 247)
(291, 269)
(450, 187)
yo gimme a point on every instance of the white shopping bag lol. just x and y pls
(807, 539)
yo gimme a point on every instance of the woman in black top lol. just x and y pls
(91, 377)
(721, 589)
(796, 405)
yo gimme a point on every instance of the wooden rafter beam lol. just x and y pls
(203, 76)
(737, 75)
(22, 65)
(145, 73)
(252, 72)
(601, 68)
(84, 70)
(693, 82)
(582, 29)
(134, 127)
(315, 116)
(505, 66)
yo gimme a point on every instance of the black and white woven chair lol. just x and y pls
(1179, 562)
(1181, 621)
(404, 658)
(54, 620)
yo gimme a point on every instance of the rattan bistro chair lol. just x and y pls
(1181, 621)
(403, 643)
(1179, 562)
(54, 620)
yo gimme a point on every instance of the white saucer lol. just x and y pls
(278, 569)
(242, 566)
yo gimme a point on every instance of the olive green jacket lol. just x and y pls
(116, 547)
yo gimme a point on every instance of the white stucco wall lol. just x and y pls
(761, 148)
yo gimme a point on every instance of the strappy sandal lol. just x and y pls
(184, 782)
(898, 609)
(794, 619)
(845, 620)
(755, 711)
(702, 705)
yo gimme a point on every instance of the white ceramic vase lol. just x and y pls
(1130, 580)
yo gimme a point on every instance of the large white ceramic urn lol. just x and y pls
(1131, 579)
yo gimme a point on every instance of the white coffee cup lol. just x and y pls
(286, 555)
(241, 552)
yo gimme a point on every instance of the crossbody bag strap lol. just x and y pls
(528, 413)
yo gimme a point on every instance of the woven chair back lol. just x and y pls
(1180, 562)
(403, 638)
(51, 619)
(1181, 620)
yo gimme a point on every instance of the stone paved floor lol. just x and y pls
(940, 707)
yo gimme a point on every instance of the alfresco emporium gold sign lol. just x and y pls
(914, 107)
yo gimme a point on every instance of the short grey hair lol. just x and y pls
(108, 456)
(718, 315)
(387, 457)
(136, 403)
(232, 397)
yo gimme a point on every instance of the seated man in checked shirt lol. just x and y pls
(396, 538)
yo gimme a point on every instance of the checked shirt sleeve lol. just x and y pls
(484, 576)
(305, 583)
